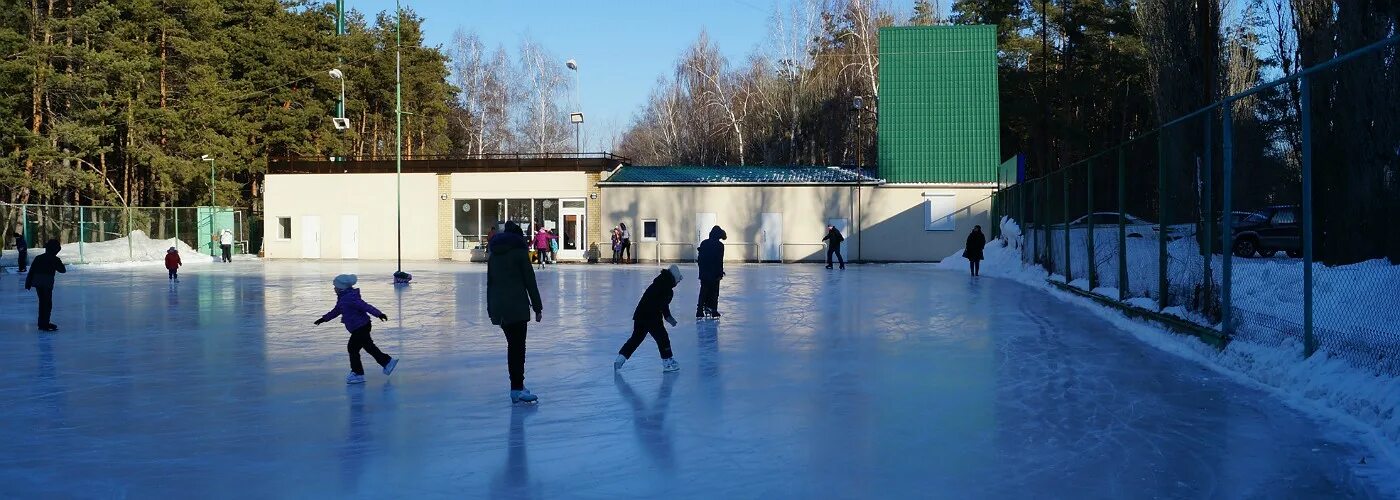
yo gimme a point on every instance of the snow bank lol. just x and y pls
(136, 248)
(1364, 400)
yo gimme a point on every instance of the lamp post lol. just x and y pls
(210, 159)
(398, 133)
(339, 32)
(576, 117)
(340, 106)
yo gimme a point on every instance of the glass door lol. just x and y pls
(573, 237)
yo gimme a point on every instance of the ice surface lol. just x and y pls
(880, 381)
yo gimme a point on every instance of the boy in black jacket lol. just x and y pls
(654, 307)
(40, 278)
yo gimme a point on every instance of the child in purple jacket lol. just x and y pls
(354, 312)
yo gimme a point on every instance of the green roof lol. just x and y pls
(939, 118)
(739, 175)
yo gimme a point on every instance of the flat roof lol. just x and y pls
(738, 175)
(441, 164)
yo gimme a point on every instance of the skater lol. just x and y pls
(833, 241)
(542, 246)
(553, 247)
(511, 294)
(654, 308)
(711, 264)
(976, 241)
(226, 243)
(41, 279)
(354, 313)
(616, 243)
(626, 252)
(172, 264)
(22, 247)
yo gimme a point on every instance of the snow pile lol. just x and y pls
(1364, 399)
(136, 248)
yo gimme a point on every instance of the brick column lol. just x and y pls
(445, 216)
(595, 214)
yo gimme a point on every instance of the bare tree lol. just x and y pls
(541, 126)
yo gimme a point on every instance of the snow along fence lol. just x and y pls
(99, 235)
(1245, 217)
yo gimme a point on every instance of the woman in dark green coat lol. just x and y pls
(511, 294)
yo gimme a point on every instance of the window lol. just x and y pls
(284, 228)
(467, 224)
(575, 204)
(648, 229)
(940, 212)
(1284, 217)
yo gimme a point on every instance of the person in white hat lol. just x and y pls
(654, 308)
(354, 312)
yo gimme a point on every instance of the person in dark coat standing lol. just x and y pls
(22, 247)
(41, 279)
(654, 308)
(711, 264)
(511, 294)
(833, 241)
(976, 241)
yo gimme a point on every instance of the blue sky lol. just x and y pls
(622, 46)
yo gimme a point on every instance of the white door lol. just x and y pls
(704, 221)
(311, 237)
(771, 237)
(573, 232)
(349, 236)
(844, 226)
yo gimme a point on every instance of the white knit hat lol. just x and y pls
(675, 272)
(345, 281)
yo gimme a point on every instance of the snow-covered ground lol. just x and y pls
(882, 381)
(1364, 396)
(136, 249)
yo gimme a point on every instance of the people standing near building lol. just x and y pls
(172, 264)
(616, 244)
(553, 247)
(22, 247)
(511, 294)
(541, 246)
(226, 243)
(626, 253)
(41, 279)
(833, 241)
(354, 313)
(652, 309)
(976, 241)
(711, 263)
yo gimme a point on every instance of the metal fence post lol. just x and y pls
(176, 214)
(1122, 226)
(1064, 209)
(82, 232)
(24, 225)
(1093, 266)
(130, 252)
(1309, 342)
(1208, 192)
(1161, 220)
(1227, 224)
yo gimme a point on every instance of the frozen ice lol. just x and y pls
(880, 381)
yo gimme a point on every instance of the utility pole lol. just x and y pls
(340, 33)
(398, 132)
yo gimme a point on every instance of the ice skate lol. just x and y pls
(617, 363)
(389, 368)
(523, 396)
(670, 365)
(49, 328)
(354, 378)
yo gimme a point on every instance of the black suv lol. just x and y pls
(1268, 231)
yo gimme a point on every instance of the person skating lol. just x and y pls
(22, 247)
(172, 264)
(626, 252)
(511, 294)
(976, 241)
(354, 313)
(833, 241)
(226, 243)
(542, 246)
(652, 309)
(711, 264)
(41, 279)
(553, 247)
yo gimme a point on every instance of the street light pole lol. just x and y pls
(578, 105)
(398, 132)
(340, 32)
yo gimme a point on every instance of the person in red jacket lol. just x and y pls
(172, 263)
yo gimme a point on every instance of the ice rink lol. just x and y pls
(894, 381)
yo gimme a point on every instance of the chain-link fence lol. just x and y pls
(1267, 216)
(119, 234)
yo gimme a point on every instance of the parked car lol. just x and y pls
(1134, 227)
(1269, 231)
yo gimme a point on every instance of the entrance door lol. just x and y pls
(771, 234)
(844, 226)
(349, 236)
(703, 222)
(573, 231)
(311, 237)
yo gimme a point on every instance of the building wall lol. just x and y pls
(893, 218)
(369, 196)
(520, 185)
(444, 216)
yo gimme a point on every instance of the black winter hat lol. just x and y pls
(513, 228)
(52, 246)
